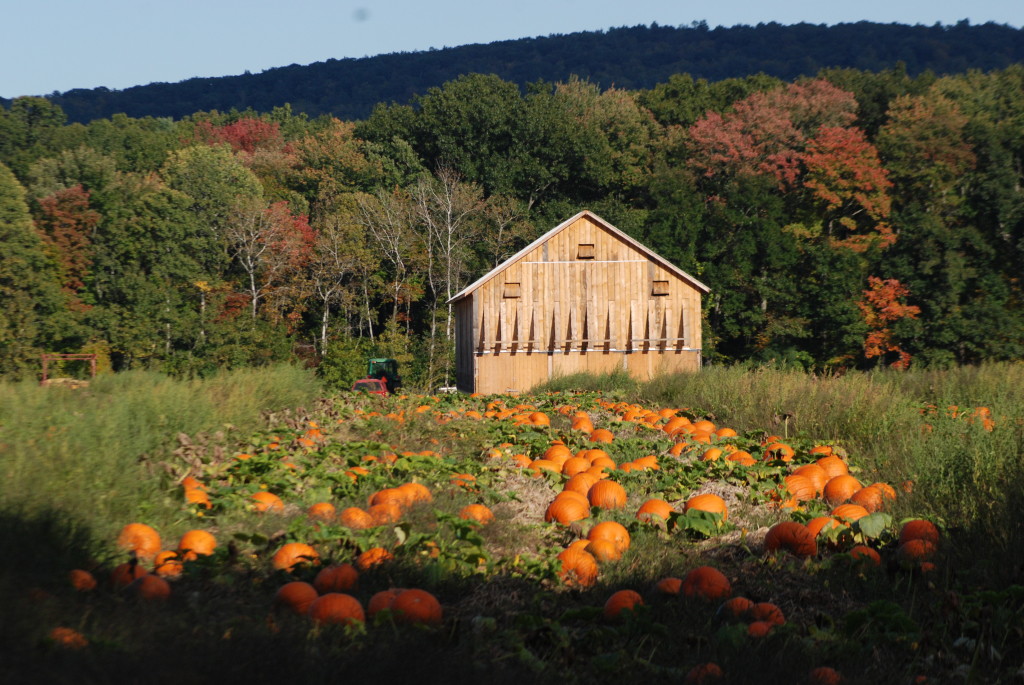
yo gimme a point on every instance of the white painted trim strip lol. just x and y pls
(589, 350)
(594, 261)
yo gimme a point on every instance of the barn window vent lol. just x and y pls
(659, 288)
(586, 251)
(512, 290)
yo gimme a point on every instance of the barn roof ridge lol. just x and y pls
(560, 227)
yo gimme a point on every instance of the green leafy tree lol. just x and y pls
(27, 128)
(213, 180)
(32, 308)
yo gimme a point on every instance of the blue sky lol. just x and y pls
(57, 45)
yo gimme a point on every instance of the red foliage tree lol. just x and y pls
(66, 223)
(766, 132)
(272, 246)
(245, 135)
(881, 307)
(802, 136)
(844, 173)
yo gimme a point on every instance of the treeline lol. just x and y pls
(634, 57)
(848, 220)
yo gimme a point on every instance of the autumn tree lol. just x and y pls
(271, 246)
(68, 225)
(881, 308)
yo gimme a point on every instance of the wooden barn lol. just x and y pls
(582, 297)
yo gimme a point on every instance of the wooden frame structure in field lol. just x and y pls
(582, 297)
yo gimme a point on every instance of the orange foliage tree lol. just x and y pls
(880, 308)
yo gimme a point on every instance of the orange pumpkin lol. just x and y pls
(888, 491)
(824, 675)
(168, 564)
(573, 495)
(768, 612)
(707, 583)
(792, 537)
(759, 628)
(602, 435)
(613, 532)
(840, 488)
(399, 497)
(865, 554)
(583, 424)
(538, 465)
(849, 512)
(417, 606)
(742, 457)
(575, 465)
(140, 539)
(321, 511)
(565, 509)
(415, 493)
(734, 608)
(919, 529)
(196, 543)
(557, 453)
(704, 426)
(675, 424)
(704, 674)
(607, 494)
(623, 600)
(578, 567)
(581, 483)
(356, 518)
(295, 597)
(820, 523)
(375, 556)
(915, 551)
(82, 580)
(833, 465)
(669, 585)
(709, 502)
(817, 475)
(539, 418)
(654, 507)
(870, 498)
(125, 574)
(778, 450)
(150, 587)
(382, 600)
(385, 512)
(711, 454)
(476, 512)
(604, 551)
(336, 608)
(267, 502)
(293, 554)
(800, 487)
(68, 638)
(337, 578)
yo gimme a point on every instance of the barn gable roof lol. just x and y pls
(560, 227)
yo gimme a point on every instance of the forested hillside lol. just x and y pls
(635, 57)
(849, 219)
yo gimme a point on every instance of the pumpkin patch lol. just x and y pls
(541, 525)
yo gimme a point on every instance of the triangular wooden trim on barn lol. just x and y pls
(561, 227)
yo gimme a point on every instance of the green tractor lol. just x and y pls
(385, 370)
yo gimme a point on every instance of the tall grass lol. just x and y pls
(71, 458)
